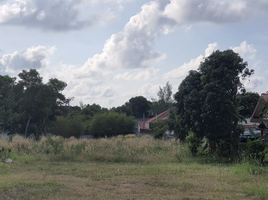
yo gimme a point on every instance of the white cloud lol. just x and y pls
(56, 15)
(246, 51)
(108, 1)
(33, 57)
(253, 82)
(183, 70)
(148, 90)
(225, 11)
(134, 46)
(211, 48)
(141, 75)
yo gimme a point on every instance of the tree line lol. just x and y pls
(210, 102)
(30, 106)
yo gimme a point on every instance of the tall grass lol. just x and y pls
(116, 149)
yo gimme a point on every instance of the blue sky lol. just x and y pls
(108, 51)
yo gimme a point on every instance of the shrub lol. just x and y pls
(194, 143)
(255, 150)
(50, 145)
(111, 124)
(68, 126)
(158, 128)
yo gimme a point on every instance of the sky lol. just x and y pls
(109, 51)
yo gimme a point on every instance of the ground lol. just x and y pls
(34, 178)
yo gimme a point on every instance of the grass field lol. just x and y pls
(122, 168)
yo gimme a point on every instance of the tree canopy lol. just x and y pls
(111, 124)
(207, 99)
(164, 100)
(247, 102)
(29, 102)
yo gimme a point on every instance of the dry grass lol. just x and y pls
(123, 168)
(121, 148)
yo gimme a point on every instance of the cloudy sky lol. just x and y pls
(111, 50)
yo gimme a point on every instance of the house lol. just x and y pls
(262, 121)
(145, 125)
(248, 125)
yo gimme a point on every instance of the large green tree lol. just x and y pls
(189, 102)
(139, 105)
(8, 115)
(39, 101)
(208, 99)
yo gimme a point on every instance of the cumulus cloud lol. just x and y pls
(139, 76)
(211, 11)
(253, 82)
(183, 70)
(134, 46)
(245, 50)
(108, 1)
(148, 90)
(211, 48)
(56, 15)
(33, 57)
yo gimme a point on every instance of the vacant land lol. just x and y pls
(158, 170)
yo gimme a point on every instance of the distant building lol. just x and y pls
(262, 121)
(145, 125)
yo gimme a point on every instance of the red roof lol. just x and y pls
(162, 116)
(256, 114)
(264, 96)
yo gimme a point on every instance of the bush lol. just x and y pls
(194, 143)
(158, 128)
(255, 150)
(111, 124)
(68, 127)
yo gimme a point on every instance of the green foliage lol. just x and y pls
(29, 102)
(256, 150)
(247, 102)
(5, 153)
(138, 105)
(158, 128)
(9, 116)
(206, 100)
(194, 143)
(265, 154)
(54, 145)
(69, 126)
(124, 109)
(78, 149)
(111, 124)
(91, 110)
(33, 129)
(164, 100)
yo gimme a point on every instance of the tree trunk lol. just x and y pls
(27, 125)
(3, 130)
(212, 146)
(235, 140)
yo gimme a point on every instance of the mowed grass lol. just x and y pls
(166, 171)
